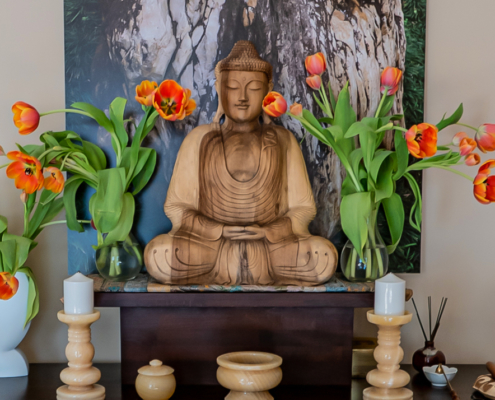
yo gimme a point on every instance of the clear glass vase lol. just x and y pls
(374, 263)
(121, 261)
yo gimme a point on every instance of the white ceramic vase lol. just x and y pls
(13, 362)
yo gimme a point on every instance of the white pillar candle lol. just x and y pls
(78, 295)
(390, 295)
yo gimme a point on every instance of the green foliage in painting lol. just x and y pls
(406, 257)
(414, 75)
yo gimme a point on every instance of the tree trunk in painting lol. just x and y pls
(184, 39)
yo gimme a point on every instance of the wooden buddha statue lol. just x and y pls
(240, 200)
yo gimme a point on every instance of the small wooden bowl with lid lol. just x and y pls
(155, 381)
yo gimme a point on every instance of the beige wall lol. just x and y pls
(457, 232)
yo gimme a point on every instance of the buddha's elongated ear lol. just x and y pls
(266, 118)
(218, 87)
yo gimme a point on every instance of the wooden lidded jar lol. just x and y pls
(155, 381)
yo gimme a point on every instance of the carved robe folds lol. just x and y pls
(203, 198)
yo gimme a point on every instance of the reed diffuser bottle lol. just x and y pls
(429, 355)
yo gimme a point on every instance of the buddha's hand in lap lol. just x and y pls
(253, 232)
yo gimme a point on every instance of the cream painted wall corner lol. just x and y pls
(32, 70)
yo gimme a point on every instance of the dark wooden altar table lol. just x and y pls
(311, 331)
(43, 381)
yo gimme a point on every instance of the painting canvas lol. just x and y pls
(112, 45)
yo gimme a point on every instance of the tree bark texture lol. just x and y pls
(184, 40)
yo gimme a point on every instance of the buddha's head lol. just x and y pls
(243, 80)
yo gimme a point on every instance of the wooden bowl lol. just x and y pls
(249, 374)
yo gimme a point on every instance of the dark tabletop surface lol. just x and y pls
(43, 381)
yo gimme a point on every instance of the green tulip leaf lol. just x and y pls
(354, 212)
(385, 185)
(144, 169)
(394, 213)
(344, 117)
(117, 108)
(367, 141)
(108, 201)
(402, 155)
(70, 190)
(358, 127)
(8, 252)
(415, 216)
(124, 225)
(95, 156)
(95, 113)
(22, 248)
(33, 295)
(387, 105)
(453, 119)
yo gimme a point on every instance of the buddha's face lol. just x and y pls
(242, 94)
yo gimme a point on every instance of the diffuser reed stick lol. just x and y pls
(441, 309)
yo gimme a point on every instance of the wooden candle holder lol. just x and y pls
(388, 380)
(81, 377)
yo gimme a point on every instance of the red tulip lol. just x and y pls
(8, 285)
(26, 117)
(26, 171)
(145, 92)
(296, 109)
(314, 82)
(55, 182)
(316, 64)
(390, 80)
(422, 140)
(472, 159)
(485, 137)
(458, 137)
(467, 146)
(274, 104)
(484, 184)
(172, 101)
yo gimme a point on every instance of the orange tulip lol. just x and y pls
(2, 152)
(472, 159)
(55, 182)
(484, 184)
(458, 137)
(296, 109)
(390, 80)
(145, 92)
(26, 117)
(467, 146)
(274, 104)
(26, 171)
(485, 137)
(8, 285)
(314, 82)
(190, 104)
(422, 140)
(316, 64)
(172, 102)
